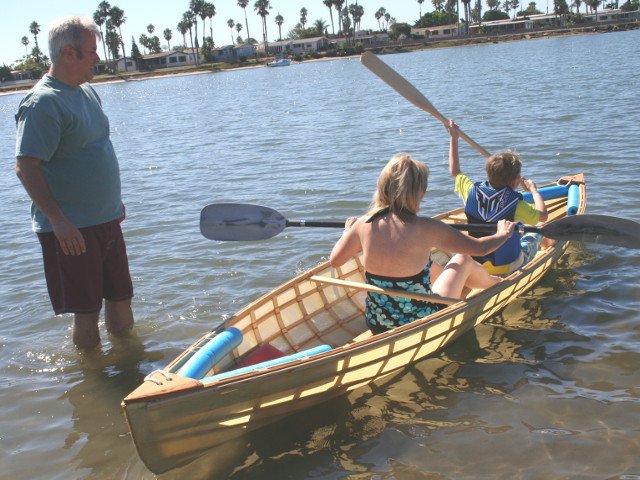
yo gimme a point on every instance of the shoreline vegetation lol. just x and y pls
(398, 47)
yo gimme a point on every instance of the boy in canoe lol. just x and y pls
(496, 199)
(396, 245)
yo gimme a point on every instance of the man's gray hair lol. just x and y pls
(68, 31)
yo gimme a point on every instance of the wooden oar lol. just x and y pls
(245, 222)
(411, 93)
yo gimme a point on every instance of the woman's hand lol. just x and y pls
(506, 228)
(349, 222)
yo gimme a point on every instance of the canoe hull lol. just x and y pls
(172, 426)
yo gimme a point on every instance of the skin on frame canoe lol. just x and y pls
(174, 419)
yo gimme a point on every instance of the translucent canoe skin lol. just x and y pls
(174, 420)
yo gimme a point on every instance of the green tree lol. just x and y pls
(630, 5)
(493, 15)
(168, 35)
(135, 54)
(243, 4)
(5, 73)
(434, 19)
(531, 9)
(357, 12)
(34, 28)
(303, 16)
(329, 5)
(117, 18)
(25, 42)
(420, 2)
(279, 22)
(493, 4)
(209, 10)
(438, 5)
(398, 29)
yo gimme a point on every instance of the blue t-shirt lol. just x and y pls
(66, 129)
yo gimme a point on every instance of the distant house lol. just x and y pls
(160, 60)
(441, 31)
(501, 26)
(296, 46)
(233, 53)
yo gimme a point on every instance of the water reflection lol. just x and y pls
(102, 379)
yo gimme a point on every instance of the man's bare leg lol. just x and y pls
(85, 330)
(118, 317)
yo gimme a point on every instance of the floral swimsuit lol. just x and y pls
(384, 312)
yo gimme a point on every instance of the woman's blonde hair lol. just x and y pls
(401, 186)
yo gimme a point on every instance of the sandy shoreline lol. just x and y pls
(449, 43)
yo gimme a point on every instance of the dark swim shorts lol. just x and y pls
(78, 283)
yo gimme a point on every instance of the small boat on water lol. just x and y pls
(279, 62)
(304, 343)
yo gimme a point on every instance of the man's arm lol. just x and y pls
(29, 173)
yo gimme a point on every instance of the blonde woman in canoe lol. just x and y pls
(396, 245)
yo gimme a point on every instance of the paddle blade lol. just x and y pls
(595, 229)
(240, 222)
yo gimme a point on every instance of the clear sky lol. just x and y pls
(16, 16)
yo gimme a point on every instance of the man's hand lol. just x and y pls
(70, 239)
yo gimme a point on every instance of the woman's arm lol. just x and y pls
(348, 245)
(449, 239)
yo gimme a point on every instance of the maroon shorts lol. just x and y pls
(78, 283)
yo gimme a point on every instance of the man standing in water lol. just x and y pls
(66, 163)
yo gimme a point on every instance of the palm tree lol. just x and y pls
(263, 7)
(210, 12)
(243, 4)
(151, 28)
(144, 41)
(25, 42)
(100, 17)
(279, 22)
(387, 17)
(329, 4)
(117, 19)
(183, 28)
(493, 4)
(188, 17)
(239, 29)
(337, 4)
(196, 8)
(379, 14)
(439, 4)
(231, 23)
(34, 28)
(320, 26)
(168, 34)
(594, 4)
(420, 2)
(357, 12)
(514, 5)
(303, 16)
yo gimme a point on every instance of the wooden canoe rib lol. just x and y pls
(174, 419)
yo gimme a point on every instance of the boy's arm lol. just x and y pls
(530, 186)
(454, 159)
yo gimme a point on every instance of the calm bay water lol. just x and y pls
(548, 389)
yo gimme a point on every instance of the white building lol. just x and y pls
(234, 53)
(296, 46)
(160, 60)
(441, 31)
